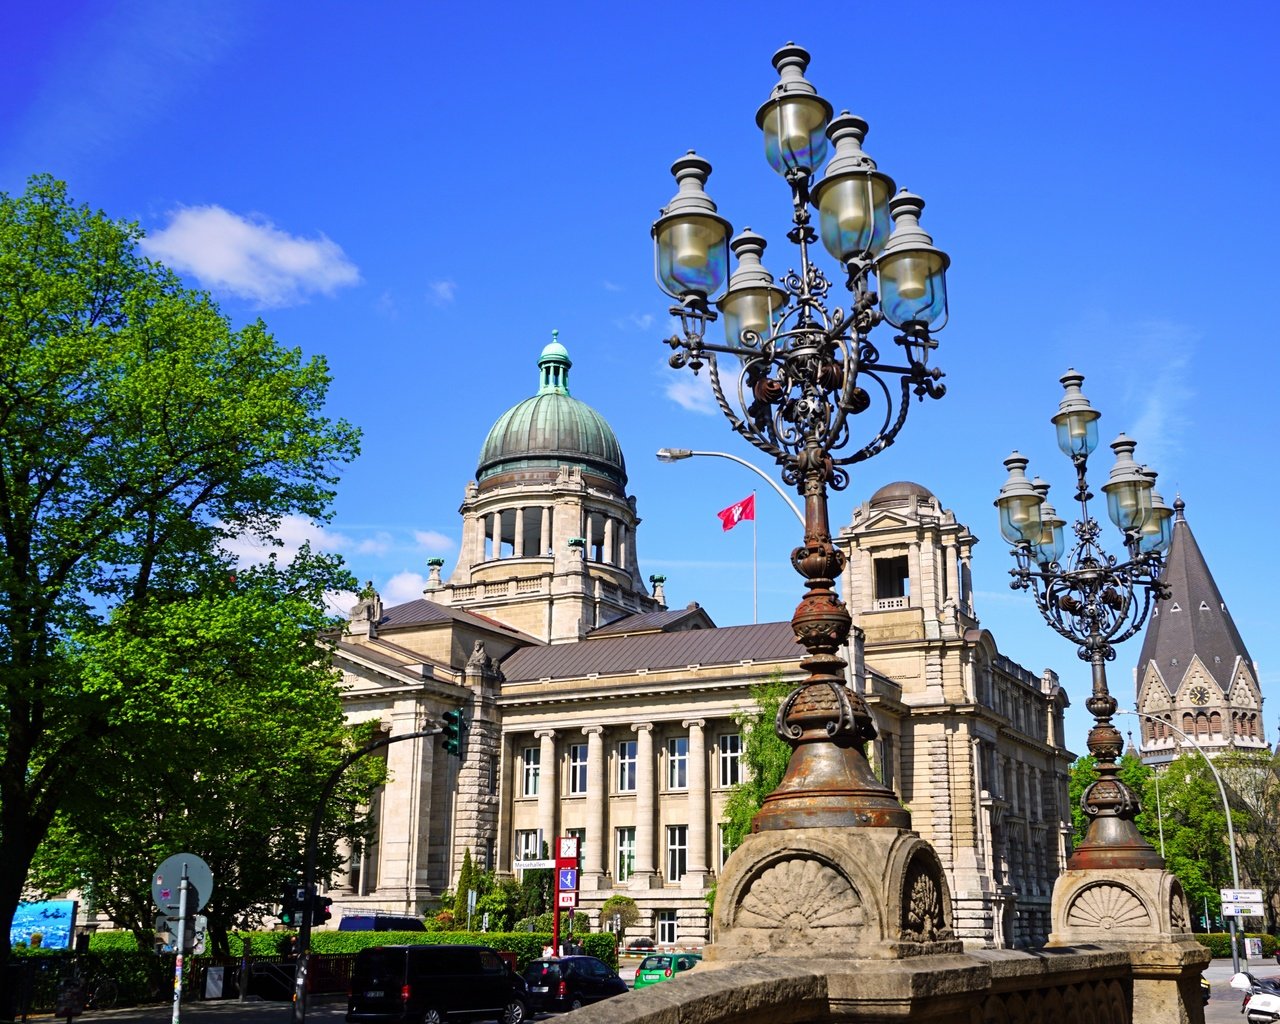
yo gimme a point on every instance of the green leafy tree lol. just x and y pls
(467, 878)
(138, 433)
(536, 889)
(1252, 779)
(764, 757)
(624, 908)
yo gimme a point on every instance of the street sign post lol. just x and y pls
(1240, 895)
(181, 885)
(566, 900)
(530, 865)
(1242, 910)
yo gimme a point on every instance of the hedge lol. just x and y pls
(525, 945)
(1219, 943)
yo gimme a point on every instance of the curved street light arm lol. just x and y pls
(1226, 808)
(762, 475)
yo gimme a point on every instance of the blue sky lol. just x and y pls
(423, 192)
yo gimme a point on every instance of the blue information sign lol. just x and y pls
(568, 879)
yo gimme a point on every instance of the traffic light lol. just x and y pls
(454, 732)
(320, 911)
(293, 907)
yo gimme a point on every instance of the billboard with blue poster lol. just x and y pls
(53, 920)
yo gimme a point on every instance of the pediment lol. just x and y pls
(886, 519)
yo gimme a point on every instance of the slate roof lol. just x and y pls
(614, 655)
(664, 620)
(1201, 625)
(423, 612)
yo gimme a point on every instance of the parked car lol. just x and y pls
(567, 982)
(432, 984)
(659, 967)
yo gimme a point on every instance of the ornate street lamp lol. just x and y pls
(801, 376)
(1093, 599)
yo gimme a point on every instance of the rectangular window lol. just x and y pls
(726, 847)
(667, 928)
(528, 846)
(730, 747)
(677, 851)
(530, 761)
(577, 768)
(625, 861)
(678, 762)
(627, 766)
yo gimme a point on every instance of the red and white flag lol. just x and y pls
(737, 512)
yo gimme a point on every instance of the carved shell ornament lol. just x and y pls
(798, 895)
(1104, 907)
(1178, 917)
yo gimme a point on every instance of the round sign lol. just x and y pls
(165, 879)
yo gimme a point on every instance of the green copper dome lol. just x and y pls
(552, 429)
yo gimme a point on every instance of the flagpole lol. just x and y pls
(755, 536)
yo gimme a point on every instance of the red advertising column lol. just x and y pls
(566, 883)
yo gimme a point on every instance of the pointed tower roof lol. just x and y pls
(1194, 620)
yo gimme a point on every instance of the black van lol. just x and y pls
(434, 984)
(378, 922)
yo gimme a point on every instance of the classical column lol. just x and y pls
(949, 566)
(593, 857)
(695, 876)
(966, 580)
(606, 554)
(548, 785)
(646, 807)
(517, 540)
(589, 533)
(407, 822)
(544, 541)
(489, 550)
(623, 553)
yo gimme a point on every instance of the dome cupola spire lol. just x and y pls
(553, 368)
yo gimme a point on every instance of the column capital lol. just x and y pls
(693, 723)
(544, 734)
(641, 727)
(592, 730)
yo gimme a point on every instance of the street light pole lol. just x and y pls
(1226, 810)
(795, 378)
(679, 454)
(1092, 598)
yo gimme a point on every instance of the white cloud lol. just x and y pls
(402, 587)
(441, 293)
(690, 392)
(1164, 393)
(432, 541)
(340, 602)
(634, 322)
(378, 544)
(250, 257)
(609, 286)
(293, 532)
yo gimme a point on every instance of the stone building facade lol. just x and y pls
(595, 710)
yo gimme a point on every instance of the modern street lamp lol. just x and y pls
(1226, 810)
(1093, 599)
(679, 454)
(792, 376)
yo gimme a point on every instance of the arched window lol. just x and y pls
(1188, 723)
(1202, 725)
(1215, 724)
